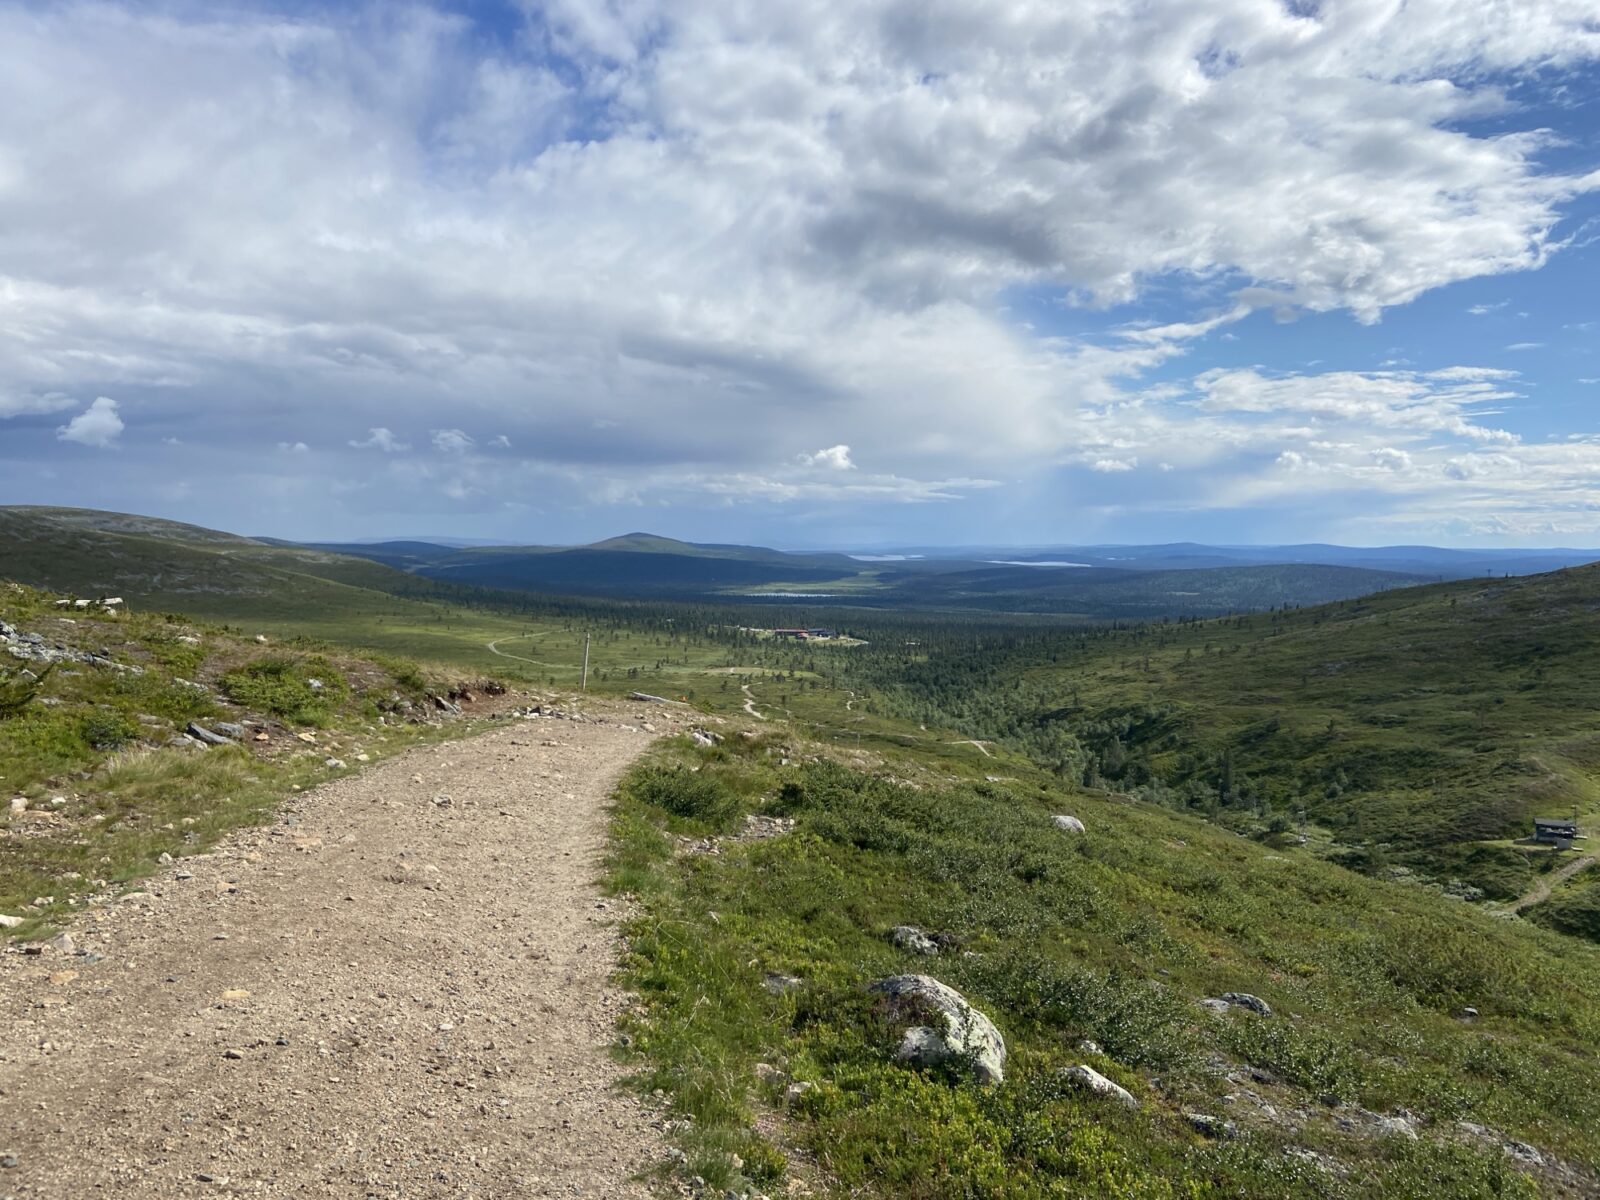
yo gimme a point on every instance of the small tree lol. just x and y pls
(18, 688)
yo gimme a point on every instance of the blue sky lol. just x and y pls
(807, 275)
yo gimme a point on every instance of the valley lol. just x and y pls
(1324, 808)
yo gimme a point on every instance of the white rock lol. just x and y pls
(1092, 1081)
(9, 922)
(1068, 824)
(967, 1032)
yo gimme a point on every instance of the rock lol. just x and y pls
(9, 922)
(967, 1033)
(164, 858)
(336, 764)
(1068, 824)
(19, 805)
(62, 943)
(201, 734)
(779, 984)
(769, 1074)
(232, 1055)
(912, 940)
(1090, 1080)
(1212, 1127)
(1214, 1005)
(1245, 1000)
(703, 737)
(307, 737)
(229, 729)
(793, 1093)
(1469, 1013)
(758, 827)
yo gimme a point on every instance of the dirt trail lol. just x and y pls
(387, 993)
(750, 702)
(1540, 892)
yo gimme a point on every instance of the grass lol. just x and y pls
(103, 793)
(1110, 939)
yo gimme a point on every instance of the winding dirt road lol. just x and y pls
(401, 989)
(1540, 892)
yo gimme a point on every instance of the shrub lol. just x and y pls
(18, 689)
(107, 730)
(694, 795)
(303, 692)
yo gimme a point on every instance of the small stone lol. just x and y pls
(1209, 1126)
(1088, 1079)
(9, 922)
(19, 805)
(913, 940)
(164, 858)
(336, 764)
(1068, 824)
(7, 1161)
(233, 995)
(233, 1055)
(62, 943)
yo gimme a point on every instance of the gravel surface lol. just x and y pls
(402, 988)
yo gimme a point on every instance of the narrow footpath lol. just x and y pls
(401, 989)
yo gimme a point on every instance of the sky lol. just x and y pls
(807, 274)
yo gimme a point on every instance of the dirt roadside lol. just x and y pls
(400, 989)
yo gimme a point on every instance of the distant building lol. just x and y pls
(820, 633)
(797, 634)
(1555, 831)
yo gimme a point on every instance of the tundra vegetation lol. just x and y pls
(1323, 808)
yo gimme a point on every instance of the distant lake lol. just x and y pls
(1006, 562)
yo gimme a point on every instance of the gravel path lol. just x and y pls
(401, 989)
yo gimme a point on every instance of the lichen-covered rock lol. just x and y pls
(913, 940)
(966, 1032)
(1245, 1000)
(1068, 824)
(1089, 1080)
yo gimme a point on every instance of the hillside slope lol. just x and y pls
(1418, 728)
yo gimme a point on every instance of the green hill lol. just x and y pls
(1420, 728)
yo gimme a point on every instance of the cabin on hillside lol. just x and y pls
(1555, 831)
(821, 633)
(799, 635)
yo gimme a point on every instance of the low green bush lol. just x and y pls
(300, 691)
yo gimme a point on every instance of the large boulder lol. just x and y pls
(1068, 824)
(946, 1026)
(1089, 1080)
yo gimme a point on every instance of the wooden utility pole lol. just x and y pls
(585, 686)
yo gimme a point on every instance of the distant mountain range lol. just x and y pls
(88, 551)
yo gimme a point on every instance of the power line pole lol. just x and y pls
(585, 663)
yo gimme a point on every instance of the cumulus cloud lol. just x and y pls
(294, 447)
(681, 238)
(97, 425)
(834, 457)
(380, 438)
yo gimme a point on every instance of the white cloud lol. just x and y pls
(294, 447)
(381, 439)
(97, 425)
(1113, 465)
(450, 441)
(22, 404)
(714, 230)
(836, 458)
